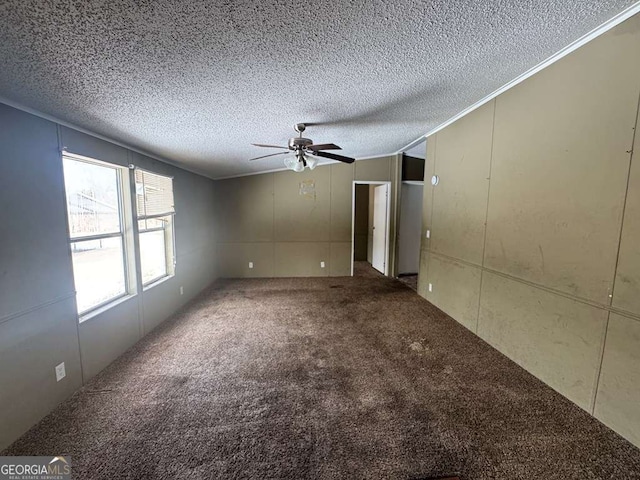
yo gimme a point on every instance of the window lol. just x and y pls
(100, 209)
(96, 231)
(154, 201)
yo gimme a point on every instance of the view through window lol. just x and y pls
(154, 202)
(94, 205)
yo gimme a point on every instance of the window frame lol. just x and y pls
(168, 229)
(121, 184)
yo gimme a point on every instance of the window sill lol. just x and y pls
(102, 309)
(157, 282)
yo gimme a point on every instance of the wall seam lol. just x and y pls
(615, 270)
(27, 311)
(591, 303)
(486, 217)
(459, 260)
(594, 396)
(624, 204)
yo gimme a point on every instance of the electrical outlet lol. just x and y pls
(181, 290)
(250, 264)
(430, 287)
(428, 233)
(321, 264)
(60, 372)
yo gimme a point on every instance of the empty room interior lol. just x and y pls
(320, 240)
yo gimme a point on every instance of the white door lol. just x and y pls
(379, 227)
(409, 231)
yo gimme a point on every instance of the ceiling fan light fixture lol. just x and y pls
(298, 167)
(294, 163)
(290, 162)
(311, 161)
(304, 152)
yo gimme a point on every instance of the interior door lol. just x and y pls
(379, 228)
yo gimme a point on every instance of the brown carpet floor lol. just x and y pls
(364, 269)
(410, 281)
(326, 378)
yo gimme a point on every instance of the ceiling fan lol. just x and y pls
(304, 152)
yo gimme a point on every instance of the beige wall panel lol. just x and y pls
(626, 293)
(340, 259)
(377, 169)
(160, 301)
(89, 146)
(460, 199)
(302, 259)
(429, 171)
(34, 250)
(456, 289)
(342, 175)
(423, 274)
(108, 335)
(559, 169)
(32, 345)
(245, 209)
(557, 339)
(618, 399)
(234, 260)
(196, 272)
(302, 216)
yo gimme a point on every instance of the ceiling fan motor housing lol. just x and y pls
(298, 143)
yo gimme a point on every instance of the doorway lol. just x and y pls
(410, 227)
(410, 215)
(370, 223)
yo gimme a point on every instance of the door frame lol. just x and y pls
(387, 226)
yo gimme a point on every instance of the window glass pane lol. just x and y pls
(153, 255)
(98, 269)
(92, 198)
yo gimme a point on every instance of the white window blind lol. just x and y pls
(154, 194)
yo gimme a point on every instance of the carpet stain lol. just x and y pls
(417, 347)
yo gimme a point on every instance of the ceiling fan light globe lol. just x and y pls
(298, 167)
(290, 162)
(312, 162)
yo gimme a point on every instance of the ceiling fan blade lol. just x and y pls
(267, 146)
(333, 156)
(324, 146)
(271, 155)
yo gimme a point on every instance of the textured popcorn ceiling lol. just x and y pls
(198, 81)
